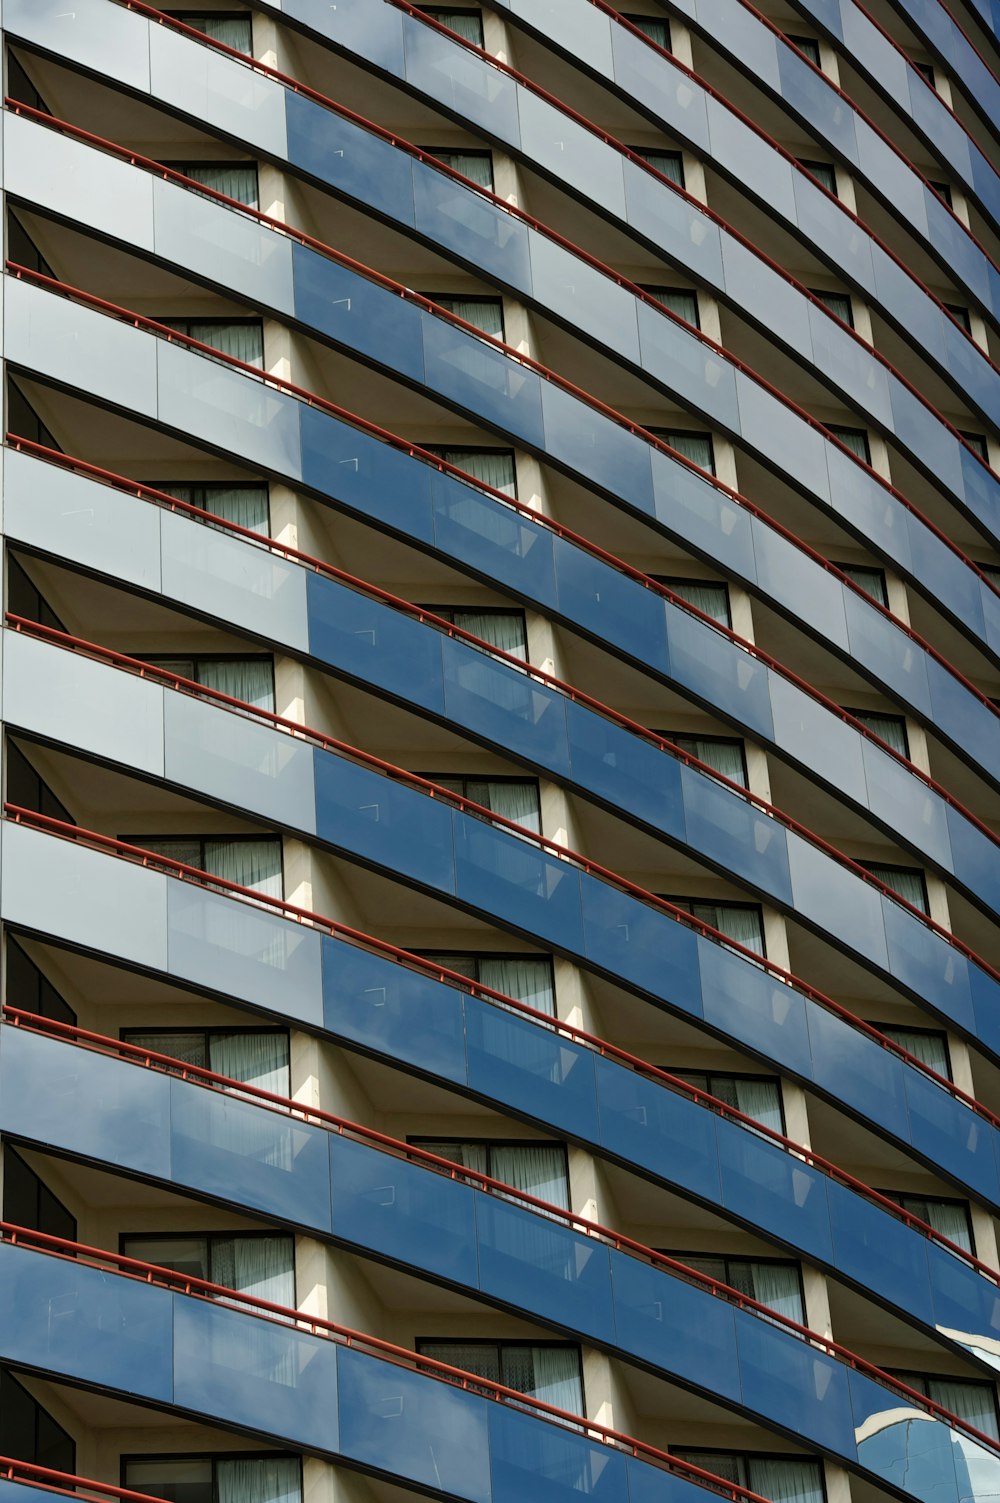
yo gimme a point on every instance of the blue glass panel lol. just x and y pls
(860, 499)
(475, 229)
(403, 1210)
(531, 1070)
(376, 35)
(244, 1154)
(649, 949)
(677, 358)
(659, 86)
(483, 381)
(100, 1107)
(752, 158)
(974, 857)
(536, 1462)
(823, 108)
(782, 433)
(62, 1317)
(727, 829)
(524, 886)
(796, 585)
(413, 1426)
(697, 511)
(782, 1376)
(652, 1127)
(831, 895)
(256, 1374)
(357, 313)
(668, 1322)
(745, 1002)
(880, 1252)
(904, 803)
(460, 81)
(753, 285)
(385, 1007)
(965, 1304)
(535, 1264)
(374, 643)
(629, 772)
(504, 705)
(612, 458)
(723, 673)
(895, 289)
(667, 219)
(586, 299)
(875, 642)
(951, 1135)
(363, 813)
(501, 544)
(928, 965)
(980, 489)
(965, 720)
(765, 1186)
(864, 1074)
(571, 153)
(351, 160)
(350, 466)
(647, 1484)
(902, 1444)
(611, 605)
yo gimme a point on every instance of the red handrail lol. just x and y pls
(317, 1325)
(68, 1484)
(162, 498)
(484, 1183)
(179, 869)
(480, 811)
(415, 451)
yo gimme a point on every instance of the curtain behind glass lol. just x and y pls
(522, 977)
(536, 1168)
(657, 31)
(485, 313)
(908, 882)
(722, 1463)
(189, 1048)
(872, 581)
(479, 1357)
(669, 163)
(761, 1100)
(243, 340)
(725, 756)
(694, 446)
(263, 1267)
(516, 801)
(549, 1373)
(468, 23)
(248, 679)
(475, 165)
(186, 1480)
(251, 863)
(855, 439)
(235, 179)
(930, 1048)
(493, 467)
(178, 847)
(823, 172)
(186, 1255)
(259, 1059)
(949, 1218)
(837, 302)
(737, 921)
(784, 1480)
(259, 1479)
(500, 629)
(232, 31)
(246, 505)
(890, 728)
(474, 1156)
(777, 1286)
(705, 595)
(974, 1402)
(679, 300)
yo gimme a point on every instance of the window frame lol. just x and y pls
(435, 12)
(208, 1237)
(897, 1196)
(440, 152)
(211, 1456)
(652, 288)
(896, 866)
(201, 839)
(681, 1071)
(937, 1033)
(907, 1375)
(746, 1456)
(672, 581)
(676, 737)
(500, 1342)
(809, 165)
(860, 714)
(471, 297)
(683, 1254)
(679, 899)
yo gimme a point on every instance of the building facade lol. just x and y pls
(501, 777)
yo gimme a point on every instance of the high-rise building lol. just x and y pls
(501, 761)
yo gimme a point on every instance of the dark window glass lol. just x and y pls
(756, 1096)
(485, 312)
(253, 1056)
(907, 881)
(22, 249)
(706, 595)
(23, 420)
(977, 443)
(824, 173)
(808, 46)
(961, 316)
(25, 599)
(233, 28)
(658, 31)
(669, 164)
(28, 988)
(855, 439)
(926, 71)
(235, 179)
(246, 505)
(248, 860)
(261, 1265)
(242, 338)
(774, 1282)
(943, 190)
(505, 630)
(26, 788)
(889, 728)
(29, 1433)
(526, 978)
(477, 166)
(549, 1371)
(28, 1201)
(950, 1218)
(784, 1477)
(694, 446)
(20, 87)
(240, 1478)
(838, 303)
(680, 300)
(248, 679)
(468, 23)
(537, 1169)
(872, 581)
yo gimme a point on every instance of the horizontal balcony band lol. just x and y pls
(806, 1203)
(837, 348)
(877, 161)
(959, 713)
(967, 856)
(597, 1299)
(968, 67)
(27, 667)
(900, 406)
(325, 1389)
(294, 290)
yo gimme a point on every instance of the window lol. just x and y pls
(29, 1433)
(756, 1096)
(28, 1201)
(855, 439)
(23, 420)
(28, 988)
(824, 173)
(669, 164)
(477, 166)
(657, 31)
(679, 300)
(261, 1265)
(468, 23)
(808, 46)
(889, 728)
(505, 630)
(926, 72)
(248, 679)
(724, 753)
(536, 1168)
(774, 1282)
(232, 28)
(943, 190)
(907, 881)
(253, 1056)
(960, 315)
(29, 791)
(526, 978)
(926, 1044)
(494, 467)
(977, 443)
(235, 179)
(242, 338)
(694, 446)
(485, 312)
(787, 1478)
(511, 798)
(25, 599)
(950, 1218)
(705, 595)
(838, 303)
(246, 505)
(973, 1402)
(872, 581)
(22, 249)
(244, 859)
(241, 1478)
(743, 922)
(549, 1371)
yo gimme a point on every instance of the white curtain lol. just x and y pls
(536, 1168)
(248, 679)
(948, 1218)
(784, 1480)
(872, 581)
(930, 1048)
(777, 1286)
(259, 1479)
(741, 922)
(246, 505)
(522, 977)
(891, 729)
(485, 312)
(235, 179)
(669, 163)
(974, 1402)
(724, 755)
(710, 598)
(475, 165)
(517, 801)
(694, 446)
(503, 629)
(244, 340)
(823, 172)
(907, 881)
(255, 1058)
(679, 301)
(657, 31)
(493, 467)
(251, 863)
(761, 1100)
(549, 1373)
(468, 23)
(855, 439)
(837, 302)
(263, 1267)
(233, 31)
(474, 1156)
